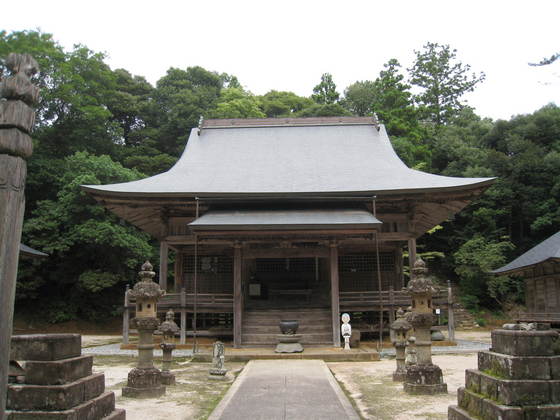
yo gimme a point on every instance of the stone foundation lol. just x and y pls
(424, 379)
(144, 383)
(518, 379)
(58, 382)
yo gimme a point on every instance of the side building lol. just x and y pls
(288, 217)
(540, 269)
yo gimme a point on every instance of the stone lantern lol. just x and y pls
(400, 327)
(145, 380)
(424, 377)
(168, 328)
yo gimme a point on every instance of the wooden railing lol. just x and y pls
(548, 317)
(205, 302)
(372, 300)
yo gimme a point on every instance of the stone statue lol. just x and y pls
(218, 371)
(346, 330)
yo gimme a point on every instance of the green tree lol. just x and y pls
(283, 104)
(236, 103)
(92, 254)
(325, 92)
(443, 81)
(359, 98)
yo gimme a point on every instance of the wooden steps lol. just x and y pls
(260, 327)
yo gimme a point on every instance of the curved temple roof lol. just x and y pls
(287, 157)
(546, 250)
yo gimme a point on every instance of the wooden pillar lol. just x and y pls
(183, 298)
(335, 299)
(163, 264)
(17, 118)
(126, 317)
(237, 296)
(411, 253)
(391, 312)
(450, 314)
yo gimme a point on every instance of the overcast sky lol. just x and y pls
(287, 45)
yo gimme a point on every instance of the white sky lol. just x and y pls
(287, 45)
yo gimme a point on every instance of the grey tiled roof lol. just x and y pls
(325, 156)
(30, 252)
(285, 219)
(547, 249)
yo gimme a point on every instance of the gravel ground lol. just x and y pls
(115, 350)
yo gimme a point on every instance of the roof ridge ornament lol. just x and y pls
(376, 121)
(200, 123)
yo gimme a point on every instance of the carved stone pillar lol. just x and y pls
(17, 117)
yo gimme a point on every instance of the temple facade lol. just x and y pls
(287, 218)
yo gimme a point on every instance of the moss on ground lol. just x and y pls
(193, 388)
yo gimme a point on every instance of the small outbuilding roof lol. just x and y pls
(285, 219)
(287, 157)
(549, 249)
(27, 251)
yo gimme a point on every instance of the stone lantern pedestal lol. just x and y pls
(401, 326)
(424, 377)
(144, 381)
(168, 328)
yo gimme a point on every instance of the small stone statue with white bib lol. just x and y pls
(346, 330)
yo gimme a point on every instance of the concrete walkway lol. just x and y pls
(285, 390)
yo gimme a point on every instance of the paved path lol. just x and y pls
(285, 390)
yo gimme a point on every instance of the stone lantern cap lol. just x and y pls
(401, 324)
(420, 283)
(146, 288)
(169, 327)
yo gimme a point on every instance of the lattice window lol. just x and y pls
(360, 263)
(218, 264)
(285, 265)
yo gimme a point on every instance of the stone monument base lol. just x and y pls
(424, 380)
(56, 381)
(167, 378)
(288, 343)
(399, 376)
(144, 383)
(217, 374)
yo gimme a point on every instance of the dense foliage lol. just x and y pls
(98, 125)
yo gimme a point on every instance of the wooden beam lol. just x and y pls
(286, 253)
(411, 253)
(237, 296)
(335, 299)
(163, 264)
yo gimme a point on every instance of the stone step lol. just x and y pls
(57, 372)
(303, 329)
(117, 414)
(520, 367)
(46, 347)
(101, 407)
(271, 339)
(55, 397)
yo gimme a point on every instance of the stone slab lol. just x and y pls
(55, 397)
(58, 372)
(425, 389)
(519, 367)
(97, 408)
(45, 347)
(512, 392)
(117, 414)
(457, 413)
(153, 392)
(524, 343)
(285, 389)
